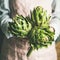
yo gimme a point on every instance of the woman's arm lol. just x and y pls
(4, 17)
(55, 20)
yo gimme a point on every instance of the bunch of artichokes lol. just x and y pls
(36, 28)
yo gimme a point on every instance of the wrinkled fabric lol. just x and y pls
(14, 49)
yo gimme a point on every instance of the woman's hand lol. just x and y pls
(52, 29)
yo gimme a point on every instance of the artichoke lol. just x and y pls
(20, 26)
(40, 37)
(39, 17)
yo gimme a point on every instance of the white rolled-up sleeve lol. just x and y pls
(55, 19)
(4, 17)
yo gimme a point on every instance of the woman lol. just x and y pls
(15, 48)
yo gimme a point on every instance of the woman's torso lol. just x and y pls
(23, 7)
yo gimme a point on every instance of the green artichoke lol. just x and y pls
(40, 37)
(39, 17)
(20, 26)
